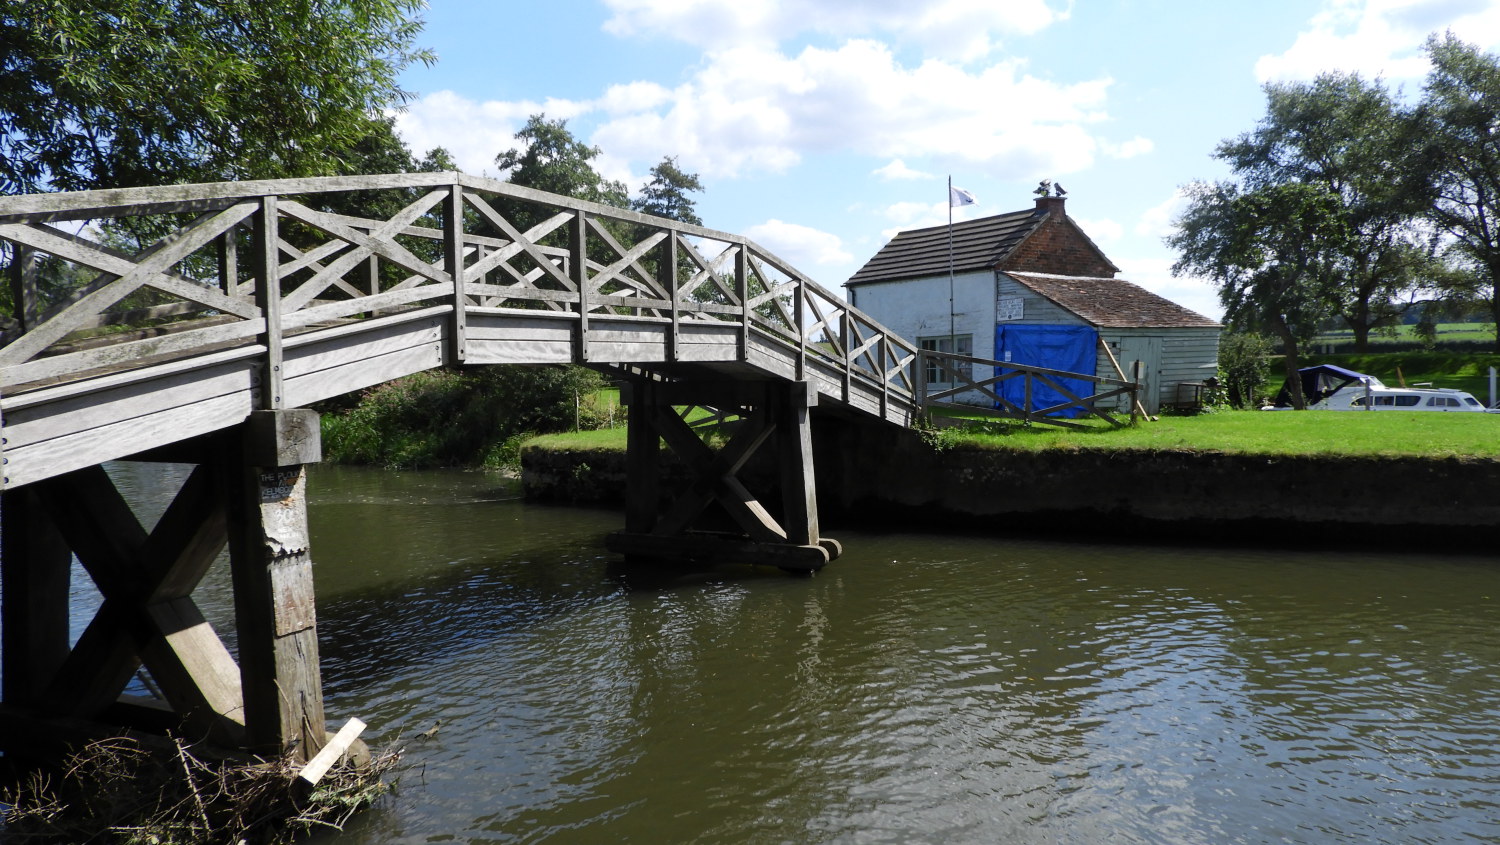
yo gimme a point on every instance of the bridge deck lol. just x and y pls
(459, 270)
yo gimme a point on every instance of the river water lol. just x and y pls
(922, 688)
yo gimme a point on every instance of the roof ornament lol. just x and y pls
(1057, 190)
(1043, 188)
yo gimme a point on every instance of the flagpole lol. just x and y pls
(952, 332)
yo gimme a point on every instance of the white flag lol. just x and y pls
(959, 197)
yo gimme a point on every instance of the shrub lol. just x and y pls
(1242, 367)
(468, 417)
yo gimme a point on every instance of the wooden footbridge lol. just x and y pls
(197, 323)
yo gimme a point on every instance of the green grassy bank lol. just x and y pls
(1241, 432)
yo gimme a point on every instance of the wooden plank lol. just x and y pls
(748, 512)
(209, 340)
(453, 263)
(623, 353)
(578, 248)
(23, 276)
(99, 667)
(187, 538)
(319, 352)
(268, 299)
(364, 305)
(171, 199)
(60, 455)
(74, 411)
(195, 671)
(527, 352)
(357, 375)
(319, 765)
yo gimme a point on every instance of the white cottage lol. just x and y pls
(1031, 288)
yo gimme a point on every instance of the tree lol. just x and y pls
(666, 195)
(1349, 137)
(113, 93)
(554, 161)
(1460, 115)
(1272, 251)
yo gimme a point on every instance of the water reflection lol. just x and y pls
(921, 689)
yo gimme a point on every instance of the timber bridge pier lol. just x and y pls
(263, 298)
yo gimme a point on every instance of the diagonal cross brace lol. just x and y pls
(714, 476)
(148, 615)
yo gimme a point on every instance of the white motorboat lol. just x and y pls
(1330, 388)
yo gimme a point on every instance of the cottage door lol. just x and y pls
(1147, 350)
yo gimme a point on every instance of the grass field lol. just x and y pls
(1406, 334)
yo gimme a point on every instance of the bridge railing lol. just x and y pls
(107, 280)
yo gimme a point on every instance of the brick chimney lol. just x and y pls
(1051, 205)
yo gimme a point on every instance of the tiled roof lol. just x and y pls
(1111, 303)
(977, 245)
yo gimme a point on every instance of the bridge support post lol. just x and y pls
(273, 584)
(681, 526)
(248, 491)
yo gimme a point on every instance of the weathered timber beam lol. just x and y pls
(35, 568)
(271, 567)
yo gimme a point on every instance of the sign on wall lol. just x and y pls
(1009, 308)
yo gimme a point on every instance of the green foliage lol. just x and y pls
(1351, 138)
(110, 93)
(553, 160)
(472, 417)
(1460, 110)
(1242, 367)
(666, 194)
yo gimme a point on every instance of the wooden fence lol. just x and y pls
(958, 379)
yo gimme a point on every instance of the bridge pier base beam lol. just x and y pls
(771, 413)
(273, 584)
(35, 573)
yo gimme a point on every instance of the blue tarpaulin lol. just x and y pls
(1067, 348)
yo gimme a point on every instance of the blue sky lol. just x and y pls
(820, 128)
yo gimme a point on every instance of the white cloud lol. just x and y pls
(908, 214)
(803, 246)
(1156, 222)
(1136, 146)
(633, 97)
(1379, 37)
(961, 29)
(753, 108)
(897, 169)
(475, 133)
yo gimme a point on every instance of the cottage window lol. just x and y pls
(938, 375)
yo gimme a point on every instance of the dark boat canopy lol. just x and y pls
(1318, 383)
